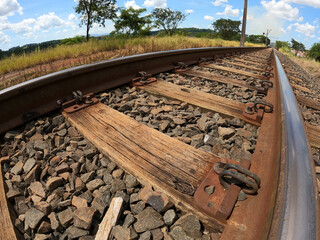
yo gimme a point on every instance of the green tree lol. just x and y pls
(227, 28)
(95, 11)
(298, 46)
(257, 39)
(167, 19)
(129, 22)
(282, 44)
(314, 51)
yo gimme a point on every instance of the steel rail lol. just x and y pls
(31, 99)
(298, 215)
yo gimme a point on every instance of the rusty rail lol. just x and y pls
(29, 100)
(298, 213)
(296, 216)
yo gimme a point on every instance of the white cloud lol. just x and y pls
(9, 7)
(283, 30)
(219, 2)
(23, 26)
(311, 3)
(131, 4)
(210, 18)
(189, 11)
(263, 21)
(249, 17)
(48, 21)
(282, 10)
(29, 35)
(316, 21)
(306, 29)
(155, 3)
(228, 11)
(4, 38)
(72, 17)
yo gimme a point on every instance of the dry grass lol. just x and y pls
(39, 63)
(308, 64)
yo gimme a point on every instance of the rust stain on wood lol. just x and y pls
(153, 157)
(198, 98)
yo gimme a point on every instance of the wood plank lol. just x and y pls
(308, 102)
(295, 79)
(246, 66)
(110, 219)
(249, 62)
(169, 165)
(313, 133)
(213, 77)
(7, 229)
(198, 98)
(232, 70)
(298, 87)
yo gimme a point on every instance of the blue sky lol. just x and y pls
(24, 21)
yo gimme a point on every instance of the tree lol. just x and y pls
(257, 39)
(129, 22)
(227, 28)
(314, 51)
(282, 44)
(95, 11)
(297, 45)
(167, 19)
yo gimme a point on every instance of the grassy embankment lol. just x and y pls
(39, 63)
(308, 64)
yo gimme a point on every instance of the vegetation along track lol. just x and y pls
(189, 144)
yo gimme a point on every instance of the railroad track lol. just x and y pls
(198, 144)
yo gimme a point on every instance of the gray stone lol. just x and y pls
(130, 181)
(29, 165)
(54, 221)
(65, 217)
(129, 220)
(62, 132)
(33, 218)
(44, 228)
(157, 234)
(43, 207)
(178, 234)
(63, 167)
(53, 183)
(36, 188)
(58, 120)
(148, 219)
(190, 224)
(10, 135)
(117, 173)
(123, 233)
(100, 205)
(134, 197)
(87, 176)
(179, 121)
(94, 184)
(74, 232)
(138, 207)
(17, 169)
(226, 133)
(145, 236)
(40, 145)
(82, 217)
(169, 217)
(39, 236)
(117, 185)
(164, 125)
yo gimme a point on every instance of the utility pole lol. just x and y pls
(244, 23)
(267, 33)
